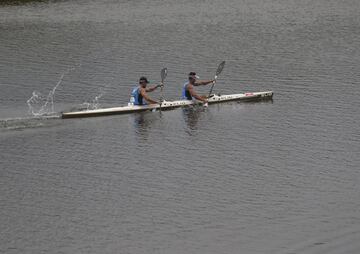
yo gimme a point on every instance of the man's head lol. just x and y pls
(192, 77)
(143, 81)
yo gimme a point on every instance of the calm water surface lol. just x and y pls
(272, 177)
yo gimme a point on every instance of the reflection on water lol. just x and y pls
(191, 115)
(143, 122)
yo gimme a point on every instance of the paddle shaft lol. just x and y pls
(163, 75)
(212, 86)
(218, 71)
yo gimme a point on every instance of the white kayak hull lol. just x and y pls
(166, 105)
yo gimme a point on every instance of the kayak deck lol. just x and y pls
(166, 105)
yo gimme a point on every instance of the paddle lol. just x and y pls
(163, 75)
(218, 71)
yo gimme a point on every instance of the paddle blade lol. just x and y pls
(220, 68)
(163, 74)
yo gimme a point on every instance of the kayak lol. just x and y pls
(167, 105)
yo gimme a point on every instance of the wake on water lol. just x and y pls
(42, 109)
(28, 122)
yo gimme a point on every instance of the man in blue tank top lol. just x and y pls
(188, 92)
(139, 94)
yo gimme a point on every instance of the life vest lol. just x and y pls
(136, 97)
(185, 93)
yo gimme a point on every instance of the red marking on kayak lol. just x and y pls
(249, 94)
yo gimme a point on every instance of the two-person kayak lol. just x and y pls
(167, 105)
(140, 101)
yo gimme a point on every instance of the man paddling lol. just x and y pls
(139, 94)
(188, 92)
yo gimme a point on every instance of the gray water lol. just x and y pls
(272, 177)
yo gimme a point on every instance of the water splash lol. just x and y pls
(95, 102)
(40, 105)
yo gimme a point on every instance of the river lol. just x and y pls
(278, 176)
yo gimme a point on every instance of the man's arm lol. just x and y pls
(150, 89)
(193, 94)
(146, 97)
(204, 82)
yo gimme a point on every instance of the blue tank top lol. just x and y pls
(185, 93)
(138, 98)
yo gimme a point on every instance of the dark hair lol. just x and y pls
(143, 79)
(192, 75)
